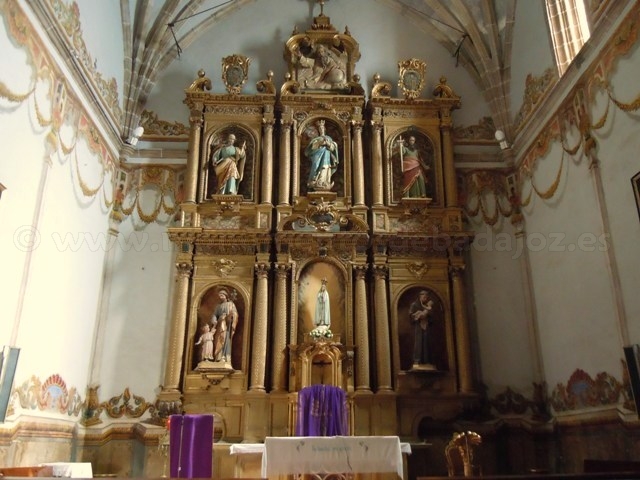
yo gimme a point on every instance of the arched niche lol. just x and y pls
(307, 131)
(437, 329)
(310, 283)
(204, 307)
(214, 139)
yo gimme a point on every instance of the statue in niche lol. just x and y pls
(221, 310)
(206, 340)
(225, 321)
(323, 155)
(415, 171)
(323, 307)
(421, 317)
(226, 167)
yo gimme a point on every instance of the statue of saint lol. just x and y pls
(421, 317)
(226, 167)
(224, 321)
(415, 171)
(323, 307)
(322, 152)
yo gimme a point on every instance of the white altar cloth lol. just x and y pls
(72, 470)
(299, 455)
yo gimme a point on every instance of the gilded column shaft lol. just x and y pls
(358, 164)
(259, 347)
(462, 331)
(280, 329)
(450, 185)
(295, 165)
(383, 352)
(267, 162)
(376, 170)
(362, 331)
(193, 159)
(285, 162)
(178, 327)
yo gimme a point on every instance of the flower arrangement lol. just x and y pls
(322, 332)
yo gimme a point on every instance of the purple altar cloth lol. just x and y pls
(191, 446)
(322, 412)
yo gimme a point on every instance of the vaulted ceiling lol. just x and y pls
(478, 33)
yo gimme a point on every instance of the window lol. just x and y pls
(569, 29)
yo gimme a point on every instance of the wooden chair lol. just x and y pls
(459, 453)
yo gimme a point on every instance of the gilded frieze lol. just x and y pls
(536, 89)
(483, 132)
(583, 391)
(64, 117)
(68, 22)
(149, 193)
(50, 395)
(490, 194)
(54, 395)
(155, 128)
(573, 118)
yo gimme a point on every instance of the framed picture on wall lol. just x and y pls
(635, 182)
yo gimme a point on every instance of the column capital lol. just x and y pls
(456, 270)
(262, 269)
(377, 126)
(380, 271)
(282, 269)
(195, 119)
(360, 270)
(184, 269)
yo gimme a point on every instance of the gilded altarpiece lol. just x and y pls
(219, 327)
(418, 246)
(320, 243)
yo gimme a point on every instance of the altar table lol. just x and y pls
(282, 456)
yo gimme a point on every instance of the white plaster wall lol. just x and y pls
(573, 292)
(532, 49)
(65, 276)
(138, 321)
(20, 168)
(50, 289)
(618, 146)
(503, 343)
(260, 32)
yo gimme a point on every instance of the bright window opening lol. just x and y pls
(569, 29)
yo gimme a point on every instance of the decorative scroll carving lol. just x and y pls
(201, 83)
(223, 266)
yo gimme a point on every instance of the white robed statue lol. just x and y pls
(323, 307)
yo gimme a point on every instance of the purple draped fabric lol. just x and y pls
(191, 446)
(322, 412)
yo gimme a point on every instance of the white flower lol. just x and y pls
(321, 332)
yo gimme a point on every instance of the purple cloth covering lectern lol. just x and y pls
(191, 446)
(322, 412)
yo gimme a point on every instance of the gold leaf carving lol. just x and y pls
(418, 269)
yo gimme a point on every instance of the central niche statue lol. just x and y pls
(322, 152)
(323, 308)
(322, 317)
